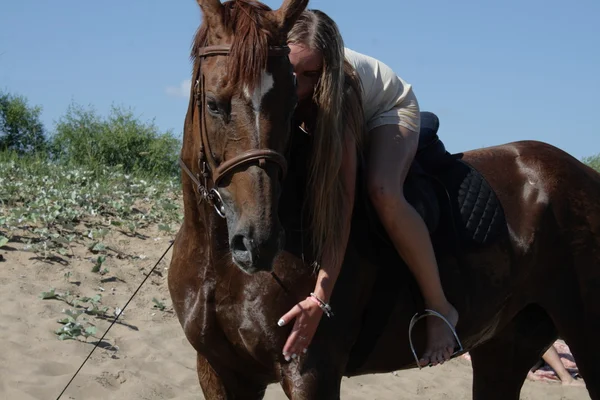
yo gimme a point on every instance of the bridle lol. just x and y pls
(208, 167)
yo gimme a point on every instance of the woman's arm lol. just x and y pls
(307, 313)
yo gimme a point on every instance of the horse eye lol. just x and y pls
(212, 106)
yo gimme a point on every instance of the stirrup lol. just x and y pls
(427, 313)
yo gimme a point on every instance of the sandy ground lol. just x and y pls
(147, 356)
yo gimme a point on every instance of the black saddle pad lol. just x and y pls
(473, 207)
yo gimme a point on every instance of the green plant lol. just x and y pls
(73, 327)
(593, 161)
(52, 205)
(159, 304)
(84, 138)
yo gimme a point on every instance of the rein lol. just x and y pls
(207, 166)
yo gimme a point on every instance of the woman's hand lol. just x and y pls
(307, 314)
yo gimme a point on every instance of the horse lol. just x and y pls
(515, 227)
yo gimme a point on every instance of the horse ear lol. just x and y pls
(213, 13)
(288, 13)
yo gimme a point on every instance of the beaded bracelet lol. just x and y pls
(324, 306)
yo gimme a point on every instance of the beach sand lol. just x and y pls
(147, 356)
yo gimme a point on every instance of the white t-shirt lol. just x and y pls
(383, 90)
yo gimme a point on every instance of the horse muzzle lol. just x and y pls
(253, 252)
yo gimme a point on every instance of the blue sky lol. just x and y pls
(494, 72)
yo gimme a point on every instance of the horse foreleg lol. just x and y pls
(309, 378)
(226, 385)
(501, 364)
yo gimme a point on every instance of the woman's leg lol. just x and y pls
(553, 360)
(392, 149)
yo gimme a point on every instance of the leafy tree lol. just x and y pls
(593, 161)
(21, 129)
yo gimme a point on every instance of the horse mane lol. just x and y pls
(251, 30)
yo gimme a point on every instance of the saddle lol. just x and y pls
(446, 190)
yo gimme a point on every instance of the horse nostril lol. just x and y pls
(240, 243)
(242, 251)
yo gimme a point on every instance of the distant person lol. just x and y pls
(552, 358)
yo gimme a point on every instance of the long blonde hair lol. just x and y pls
(338, 100)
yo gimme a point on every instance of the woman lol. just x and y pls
(392, 117)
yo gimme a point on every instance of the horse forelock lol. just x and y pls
(251, 32)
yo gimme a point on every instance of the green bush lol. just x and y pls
(85, 139)
(593, 161)
(21, 130)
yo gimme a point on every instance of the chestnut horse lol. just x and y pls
(516, 230)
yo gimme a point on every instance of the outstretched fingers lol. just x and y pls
(306, 316)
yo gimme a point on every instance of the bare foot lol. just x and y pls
(440, 340)
(574, 382)
(570, 381)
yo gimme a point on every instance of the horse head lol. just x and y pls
(239, 121)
